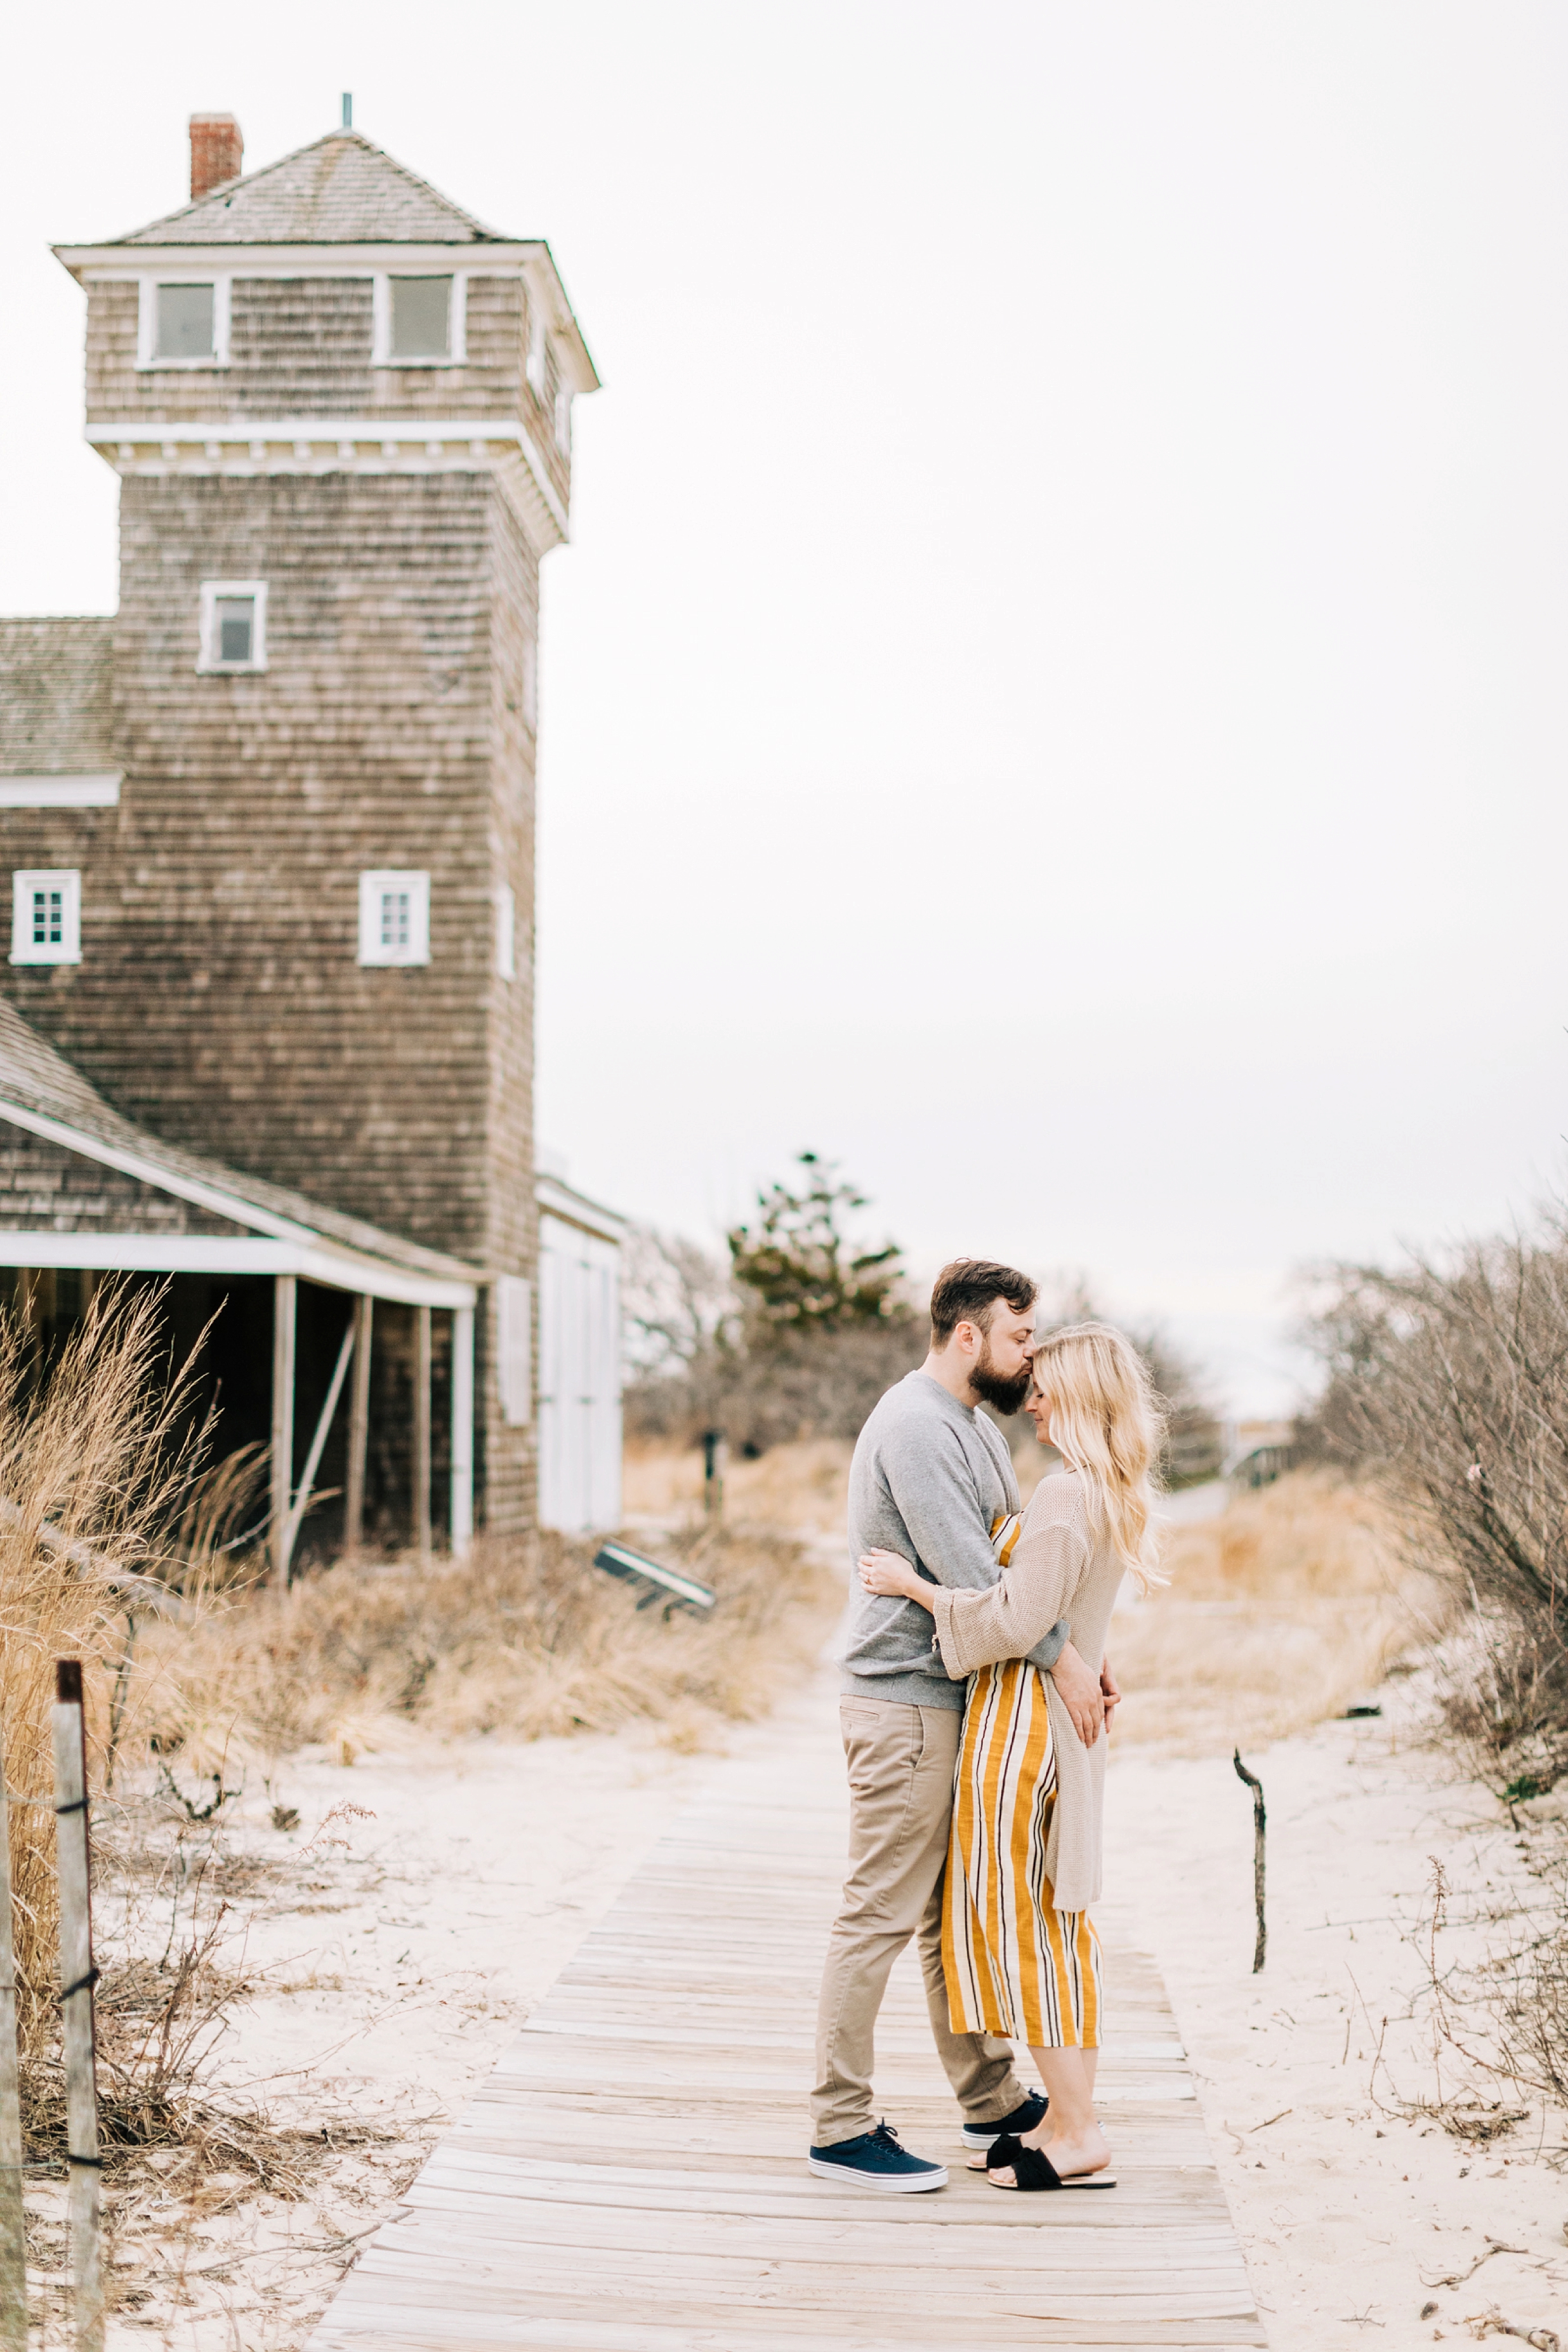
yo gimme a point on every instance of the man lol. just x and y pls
(931, 1477)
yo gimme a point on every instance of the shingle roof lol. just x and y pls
(33, 1077)
(339, 190)
(55, 717)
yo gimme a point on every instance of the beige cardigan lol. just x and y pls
(1060, 1567)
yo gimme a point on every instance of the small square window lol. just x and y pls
(185, 323)
(394, 917)
(232, 626)
(46, 917)
(421, 318)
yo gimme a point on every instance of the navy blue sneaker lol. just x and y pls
(1022, 2119)
(875, 2160)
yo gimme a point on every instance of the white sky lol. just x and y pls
(1056, 699)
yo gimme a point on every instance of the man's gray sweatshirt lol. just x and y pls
(929, 1479)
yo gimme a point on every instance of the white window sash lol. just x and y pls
(375, 887)
(222, 283)
(208, 636)
(25, 883)
(381, 318)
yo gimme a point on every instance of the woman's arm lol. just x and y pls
(889, 1571)
(976, 1629)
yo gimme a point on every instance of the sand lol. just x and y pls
(396, 1965)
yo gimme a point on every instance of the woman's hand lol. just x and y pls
(1113, 1692)
(889, 1571)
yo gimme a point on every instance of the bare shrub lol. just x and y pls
(1448, 1386)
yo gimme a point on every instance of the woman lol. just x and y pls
(1019, 1951)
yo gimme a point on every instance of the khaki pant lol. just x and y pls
(901, 1764)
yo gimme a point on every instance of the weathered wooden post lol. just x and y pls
(284, 1309)
(359, 1425)
(1259, 1828)
(78, 1977)
(713, 1475)
(13, 2226)
(421, 1375)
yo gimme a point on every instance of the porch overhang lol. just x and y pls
(130, 1253)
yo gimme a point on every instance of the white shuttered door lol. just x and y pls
(579, 1379)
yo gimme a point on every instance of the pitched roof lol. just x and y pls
(55, 715)
(35, 1078)
(340, 190)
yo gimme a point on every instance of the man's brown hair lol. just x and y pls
(967, 1291)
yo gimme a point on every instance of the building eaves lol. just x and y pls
(37, 1080)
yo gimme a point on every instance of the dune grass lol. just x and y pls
(1285, 1609)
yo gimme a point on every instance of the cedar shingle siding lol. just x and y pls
(219, 1002)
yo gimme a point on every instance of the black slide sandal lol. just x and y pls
(1032, 2169)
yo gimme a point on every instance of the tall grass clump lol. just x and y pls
(97, 1458)
(1449, 1390)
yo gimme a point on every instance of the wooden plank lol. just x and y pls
(629, 2178)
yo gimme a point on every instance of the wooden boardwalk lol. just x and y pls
(631, 2177)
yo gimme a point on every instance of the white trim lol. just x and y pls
(240, 447)
(462, 1512)
(147, 356)
(62, 791)
(24, 883)
(217, 1254)
(506, 932)
(208, 658)
(456, 352)
(556, 1199)
(514, 1323)
(374, 889)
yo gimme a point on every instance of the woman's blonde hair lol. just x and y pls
(1106, 1424)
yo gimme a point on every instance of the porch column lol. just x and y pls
(462, 1430)
(284, 1300)
(358, 1425)
(422, 1431)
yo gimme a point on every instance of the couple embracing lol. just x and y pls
(974, 1710)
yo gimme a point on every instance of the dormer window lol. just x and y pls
(420, 322)
(184, 323)
(232, 626)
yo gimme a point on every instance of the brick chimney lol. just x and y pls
(218, 151)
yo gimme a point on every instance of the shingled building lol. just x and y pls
(270, 830)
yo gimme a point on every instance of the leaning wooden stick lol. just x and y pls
(78, 1977)
(13, 2227)
(1260, 1824)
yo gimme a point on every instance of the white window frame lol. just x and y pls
(208, 638)
(531, 684)
(220, 280)
(67, 880)
(381, 318)
(373, 886)
(563, 419)
(506, 932)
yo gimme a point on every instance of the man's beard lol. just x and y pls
(1007, 1395)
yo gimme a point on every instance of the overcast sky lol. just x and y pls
(1056, 698)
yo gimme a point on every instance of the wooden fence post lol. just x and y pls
(421, 1370)
(285, 1294)
(78, 1977)
(13, 2226)
(1259, 1831)
(359, 1425)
